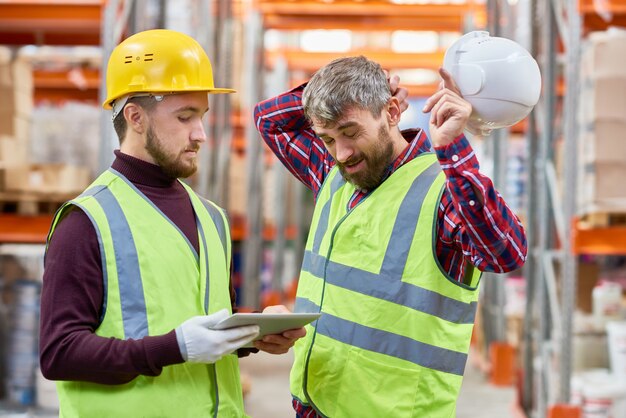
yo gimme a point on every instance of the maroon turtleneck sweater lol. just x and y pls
(72, 293)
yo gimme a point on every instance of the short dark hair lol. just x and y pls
(119, 123)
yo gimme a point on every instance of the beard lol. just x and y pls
(377, 160)
(173, 166)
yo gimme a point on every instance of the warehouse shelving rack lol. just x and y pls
(556, 234)
(51, 23)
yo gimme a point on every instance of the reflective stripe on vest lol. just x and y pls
(450, 303)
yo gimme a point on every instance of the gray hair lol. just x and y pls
(344, 83)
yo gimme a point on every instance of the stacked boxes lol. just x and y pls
(16, 90)
(602, 123)
(53, 172)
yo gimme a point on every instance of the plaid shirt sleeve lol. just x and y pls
(284, 128)
(477, 217)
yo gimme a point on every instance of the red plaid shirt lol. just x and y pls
(488, 235)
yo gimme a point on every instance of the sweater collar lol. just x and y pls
(140, 172)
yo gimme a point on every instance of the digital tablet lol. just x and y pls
(270, 323)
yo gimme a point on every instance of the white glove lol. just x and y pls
(200, 344)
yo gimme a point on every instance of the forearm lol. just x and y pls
(488, 232)
(85, 356)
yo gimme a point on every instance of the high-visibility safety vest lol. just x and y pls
(153, 281)
(395, 330)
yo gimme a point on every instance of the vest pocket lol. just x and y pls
(374, 388)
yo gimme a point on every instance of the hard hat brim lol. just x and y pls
(108, 104)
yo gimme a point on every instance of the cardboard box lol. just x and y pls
(17, 75)
(603, 142)
(588, 274)
(601, 188)
(603, 98)
(604, 54)
(16, 102)
(12, 151)
(14, 126)
(6, 55)
(47, 178)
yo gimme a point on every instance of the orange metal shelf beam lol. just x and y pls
(363, 8)
(609, 240)
(50, 22)
(77, 83)
(20, 229)
(365, 23)
(311, 61)
(371, 15)
(607, 6)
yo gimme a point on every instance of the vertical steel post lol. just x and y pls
(253, 244)
(570, 164)
(107, 41)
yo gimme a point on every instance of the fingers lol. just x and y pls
(444, 94)
(445, 104)
(398, 92)
(280, 343)
(295, 334)
(446, 86)
(402, 94)
(238, 337)
(394, 82)
(241, 333)
(441, 113)
(448, 82)
(275, 344)
(276, 309)
(213, 319)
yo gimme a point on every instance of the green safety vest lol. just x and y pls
(153, 281)
(395, 329)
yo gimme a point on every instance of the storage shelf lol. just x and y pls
(610, 240)
(50, 22)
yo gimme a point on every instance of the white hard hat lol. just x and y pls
(499, 78)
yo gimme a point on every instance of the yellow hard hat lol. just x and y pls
(158, 61)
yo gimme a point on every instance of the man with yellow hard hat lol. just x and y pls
(137, 267)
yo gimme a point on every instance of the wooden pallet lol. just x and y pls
(603, 219)
(32, 203)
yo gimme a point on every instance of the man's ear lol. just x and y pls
(135, 117)
(393, 111)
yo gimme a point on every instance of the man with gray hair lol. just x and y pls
(399, 237)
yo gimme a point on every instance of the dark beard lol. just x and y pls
(377, 163)
(172, 169)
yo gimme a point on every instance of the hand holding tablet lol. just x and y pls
(269, 323)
